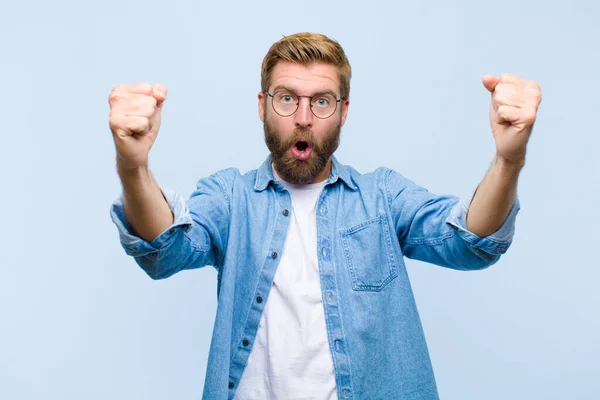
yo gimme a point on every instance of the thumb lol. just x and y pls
(159, 91)
(490, 82)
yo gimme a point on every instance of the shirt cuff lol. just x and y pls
(136, 246)
(496, 243)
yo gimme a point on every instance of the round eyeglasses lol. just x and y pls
(285, 103)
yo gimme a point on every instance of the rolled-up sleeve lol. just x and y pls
(136, 246)
(197, 237)
(496, 243)
(432, 228)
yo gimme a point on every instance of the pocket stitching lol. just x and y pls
(393, 272)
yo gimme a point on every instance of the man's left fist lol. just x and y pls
(513, 110)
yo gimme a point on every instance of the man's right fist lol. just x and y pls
(135, 115)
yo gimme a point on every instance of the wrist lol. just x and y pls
(509, 165)
(127, 171)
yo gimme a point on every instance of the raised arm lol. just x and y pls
(135, 117)
(513, 110)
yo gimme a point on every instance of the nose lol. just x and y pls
(303, 118)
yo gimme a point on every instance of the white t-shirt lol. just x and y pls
(290, 358)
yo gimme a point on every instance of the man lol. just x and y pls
(314, 301)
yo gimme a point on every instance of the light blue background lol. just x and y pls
(80, 320)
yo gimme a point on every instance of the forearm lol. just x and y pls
(146, 209)
(494, 197)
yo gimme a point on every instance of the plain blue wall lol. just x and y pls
(80, 320)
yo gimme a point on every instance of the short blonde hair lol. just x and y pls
(307, 48)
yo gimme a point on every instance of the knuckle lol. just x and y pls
(113, 122)
(533, 85)
(499, 97)
(148, 101)
(148, 106)
(144, 109)
(504, 88)
(119, 89)
(114, 119)
(119, 122)
(147, 112)
(529, 116)
(114, 96)
(145, 88)
(533, 92)
(134, 125)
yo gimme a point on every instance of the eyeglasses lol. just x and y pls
(322, 105)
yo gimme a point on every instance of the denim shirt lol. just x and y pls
(366, 224)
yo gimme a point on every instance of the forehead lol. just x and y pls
(305, 79)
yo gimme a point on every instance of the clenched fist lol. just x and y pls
(513, 110)
(135, 115)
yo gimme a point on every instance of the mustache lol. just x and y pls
(301, 134)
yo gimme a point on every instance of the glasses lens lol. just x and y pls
(285, 103)
(323, 105)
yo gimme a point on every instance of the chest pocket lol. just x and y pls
(369, 254)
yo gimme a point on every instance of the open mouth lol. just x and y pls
(301, 145)
(301, 149)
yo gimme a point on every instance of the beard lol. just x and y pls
(300, 171)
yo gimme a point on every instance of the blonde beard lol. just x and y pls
(300, 171)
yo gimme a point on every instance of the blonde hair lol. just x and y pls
(307, 48)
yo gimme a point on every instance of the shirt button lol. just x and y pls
(259, 299)
(274, 254)
(324, 252)
(286, 212)
(231, 385)
(329, 297)
(245, 342)
(346, 393)
(322, 210)
(172, 231)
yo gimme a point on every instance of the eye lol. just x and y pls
(286, 98)
(322, 101)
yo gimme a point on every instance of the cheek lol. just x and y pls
(278, 124)
(326, 129)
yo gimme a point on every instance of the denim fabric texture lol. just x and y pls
(366, 225)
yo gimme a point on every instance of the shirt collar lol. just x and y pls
(264, 175)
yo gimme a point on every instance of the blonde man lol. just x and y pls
(314, 298)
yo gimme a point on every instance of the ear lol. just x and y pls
(261, 106)
(345, 105)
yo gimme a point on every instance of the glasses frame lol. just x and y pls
(298, 103)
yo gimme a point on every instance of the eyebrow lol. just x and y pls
(288, 89)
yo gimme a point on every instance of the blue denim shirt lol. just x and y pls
(366, 224)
